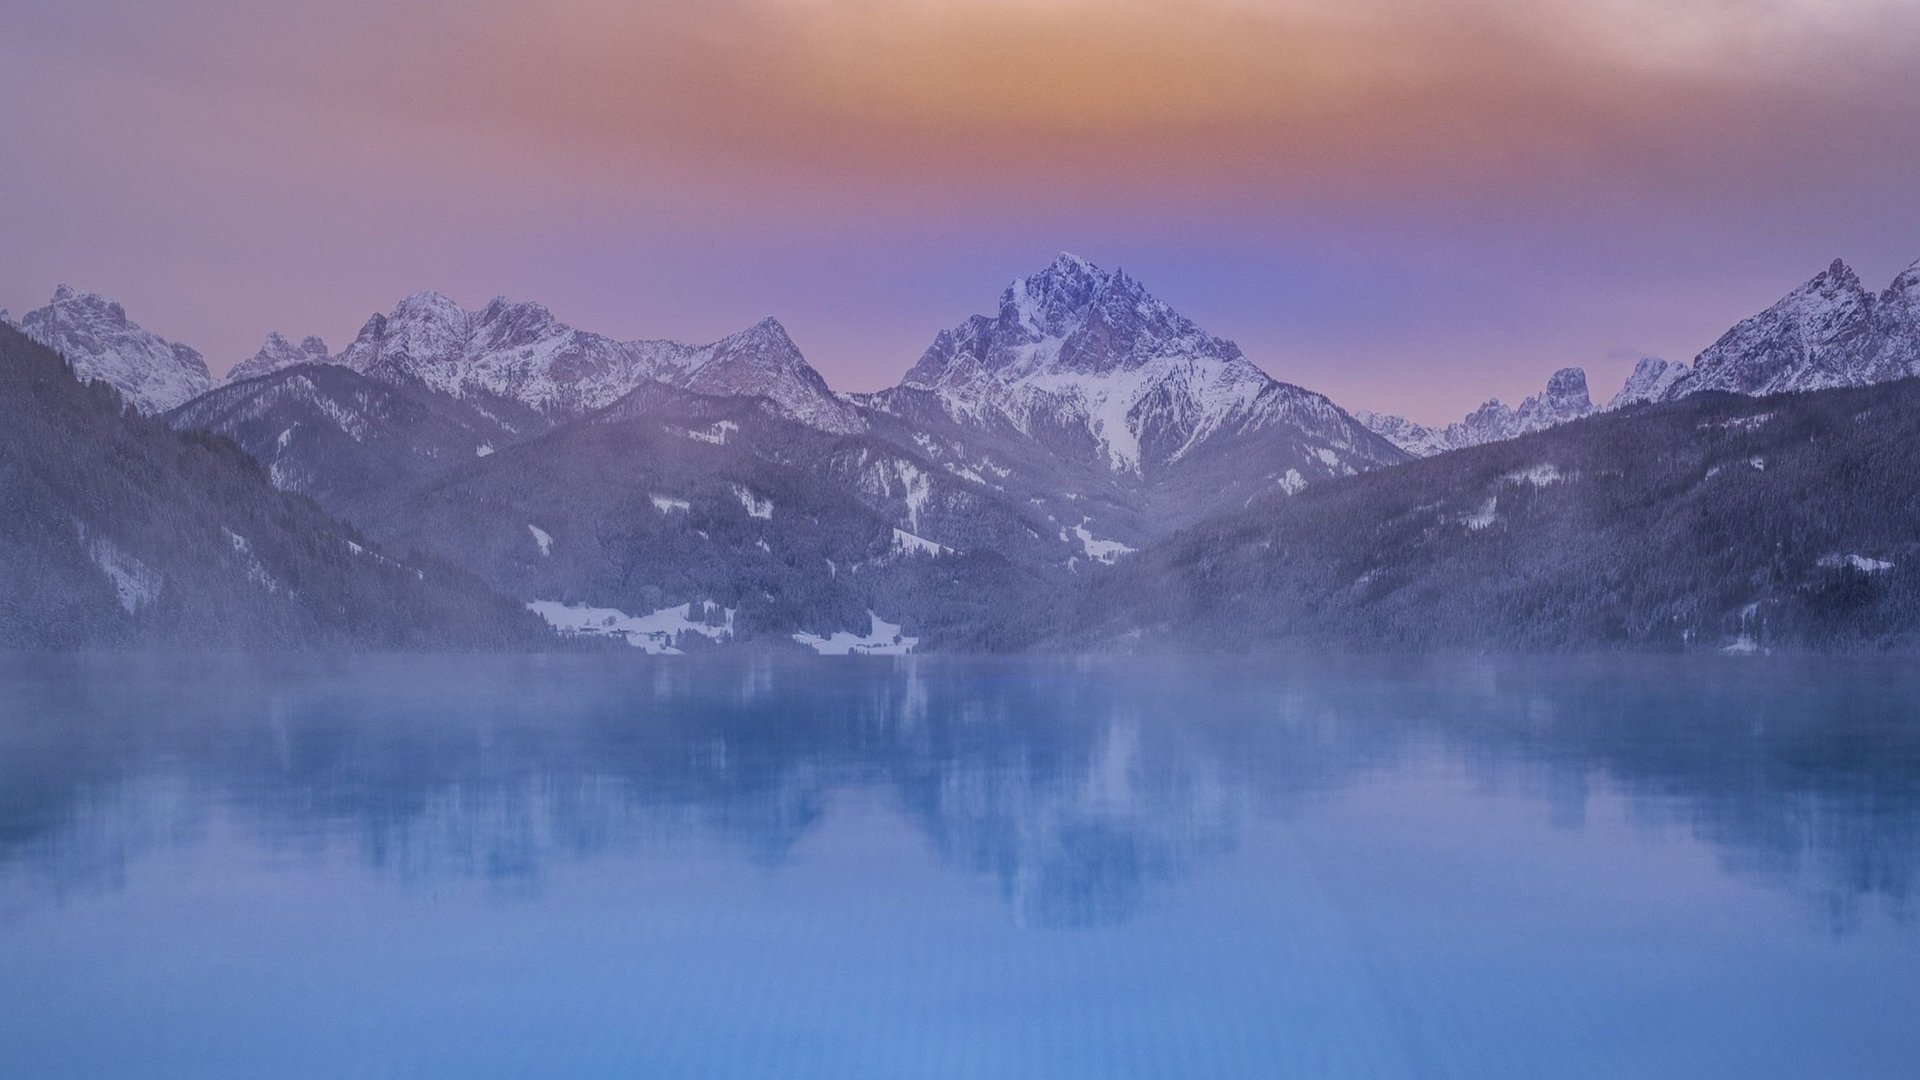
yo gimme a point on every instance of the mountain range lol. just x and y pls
(677, 496)
(1083, 420)
(1829, 332)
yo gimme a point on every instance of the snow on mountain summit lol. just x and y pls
(95, 336)
(1072, 317)
(1076, 352)
(762, 360)
(1651, 379)
(279, 353)
(1819, 335)
(520, 351)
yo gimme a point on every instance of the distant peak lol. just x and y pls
(766, 331)
(277, 343)
(1067, 267)
(67, 297)
(501, 304)
(1838, 273)
(67, 294)
(428, 303)
(1567, 380)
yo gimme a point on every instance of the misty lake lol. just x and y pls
(733, 866)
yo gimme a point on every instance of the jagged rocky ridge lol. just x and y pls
(94, 335)
(519, 352)
(1117, 414)
(727, 494)
(469, 436)
(1827, 333)
(279, 353)
(1564, 399)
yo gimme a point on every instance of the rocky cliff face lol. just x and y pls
(94, 335)
(1565, 398)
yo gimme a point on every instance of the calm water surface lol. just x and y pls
(614, 866)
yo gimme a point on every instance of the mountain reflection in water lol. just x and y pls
(1075, 786)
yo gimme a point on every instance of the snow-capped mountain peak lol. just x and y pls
(1072, 317)
(1651, 379)
(1564, 399)
(763, 361)
(1819, 335)
(519, 350)
(94, 334)
(1089, 362)
(279, 353)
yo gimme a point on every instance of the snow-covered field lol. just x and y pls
(657, 633)
(883, 639)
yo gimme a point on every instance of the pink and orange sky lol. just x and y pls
(1408, 204)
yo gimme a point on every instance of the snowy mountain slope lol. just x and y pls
(1652, 377)
(1821, 334)
(520, 351)
(1090, 362)
(1896, 328)
(1565, 398)
(1829, 332)
(762, 361)
(894, 478)
(94, 335)
(279, 353)
(1102, 404)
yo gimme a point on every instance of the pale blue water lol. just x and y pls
(614, 866)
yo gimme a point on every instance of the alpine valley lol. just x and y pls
(1084, 467)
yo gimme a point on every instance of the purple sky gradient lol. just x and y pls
(1411, 205)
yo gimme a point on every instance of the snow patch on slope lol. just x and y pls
(911, 544)
(1538, 475)
(256, 573)
(755, 506)
(1106, 551)
(1862, 563)
(135, 584)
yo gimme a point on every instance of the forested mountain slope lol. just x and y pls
(1718, 521)
(116, 530)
